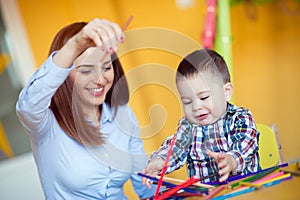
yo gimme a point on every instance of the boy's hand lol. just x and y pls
(226, 163)
(153, 168)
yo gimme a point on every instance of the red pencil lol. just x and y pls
(164, 169)
(170, 192)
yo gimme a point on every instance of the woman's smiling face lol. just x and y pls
(92, 76)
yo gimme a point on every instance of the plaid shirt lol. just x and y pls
(235, 133)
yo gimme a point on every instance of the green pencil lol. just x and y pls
(255, 177)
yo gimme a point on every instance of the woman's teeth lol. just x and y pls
(96, 89)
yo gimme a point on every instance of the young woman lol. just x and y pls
(84, 136)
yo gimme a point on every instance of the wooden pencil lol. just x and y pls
(215, 192)
(127, 23)
(164, 169)
(250, 184)
(182, 181)
(254, 177)
(178, 187)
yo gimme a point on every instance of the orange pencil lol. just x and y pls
(215, 192)
(127, 23)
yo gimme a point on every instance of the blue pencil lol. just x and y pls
(225, 196)
(238, 177)
(233, 178)
(234, 194)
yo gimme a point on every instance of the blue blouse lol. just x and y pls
(68, 169)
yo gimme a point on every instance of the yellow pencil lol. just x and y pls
(250, 184)
(275, 179)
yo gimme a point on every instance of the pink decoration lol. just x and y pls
(209, 30)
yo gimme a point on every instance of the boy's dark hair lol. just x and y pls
(204, 60)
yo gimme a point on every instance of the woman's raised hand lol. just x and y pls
(101, 33)
(97, 33)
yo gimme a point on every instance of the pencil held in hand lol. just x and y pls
(164, 169)
(127, 23)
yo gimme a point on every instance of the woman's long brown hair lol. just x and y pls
(64, 104)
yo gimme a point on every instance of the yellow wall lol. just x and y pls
(265, 57)
(266, 69)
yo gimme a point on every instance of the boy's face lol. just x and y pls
(204, 98)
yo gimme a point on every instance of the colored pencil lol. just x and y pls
(215, 192)
(127, 23)
(269, 177)
(182, 181)
(168, 184)
(280, 178)
(239, 177)
(155, 179)
(247, 190)
(257, 186)
(225, 196)
(264, 181)
(294, 173)
(191, 190)
(164, 169)
(170, 192)
(254, 177)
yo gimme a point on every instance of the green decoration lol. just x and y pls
(223, 34)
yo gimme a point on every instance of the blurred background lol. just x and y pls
(262, 51)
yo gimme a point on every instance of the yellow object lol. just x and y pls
(4, 60)
(269, 146)
(250, 184)
(4, 144)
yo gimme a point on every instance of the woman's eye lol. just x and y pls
(203, 98)
(106, 67)
(186, 103)
(85, 71)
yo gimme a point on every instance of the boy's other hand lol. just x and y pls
(226, 163)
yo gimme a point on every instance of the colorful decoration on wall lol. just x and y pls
(209, 30)
(216, 32)
(223, 33)
(217, 28)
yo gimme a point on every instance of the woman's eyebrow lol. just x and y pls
(182, 98)
(107, 62)
(84, 65)
(91, 65)
(202, 92)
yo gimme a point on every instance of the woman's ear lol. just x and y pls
(228, 90)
